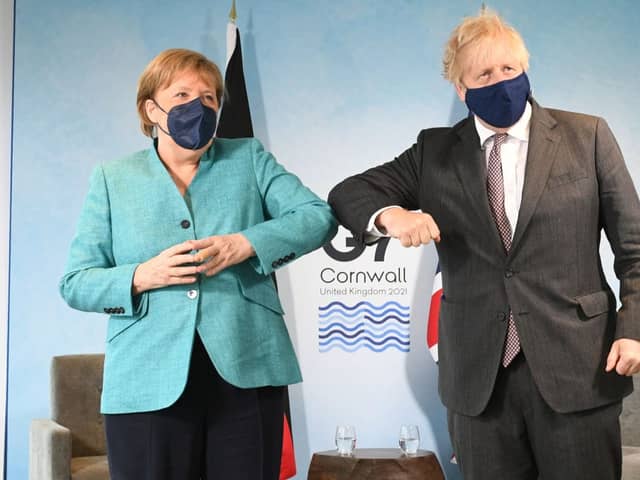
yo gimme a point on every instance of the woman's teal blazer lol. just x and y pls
(133, 211)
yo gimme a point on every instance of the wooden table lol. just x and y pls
(375, 464)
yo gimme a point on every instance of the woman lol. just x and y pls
(177, 244)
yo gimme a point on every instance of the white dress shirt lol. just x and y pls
(513, 156)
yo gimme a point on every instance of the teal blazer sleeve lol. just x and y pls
(294, 215)
(93, 282)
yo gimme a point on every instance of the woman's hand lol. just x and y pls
(171, 267)
(221, 251)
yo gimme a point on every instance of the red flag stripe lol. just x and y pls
(288, 459)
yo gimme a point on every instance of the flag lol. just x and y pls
(235, 122)
(434, 314)
(235, 118)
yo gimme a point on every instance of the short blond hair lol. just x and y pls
(470, 35)
(162, 70)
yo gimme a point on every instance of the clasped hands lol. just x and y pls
(177, 265)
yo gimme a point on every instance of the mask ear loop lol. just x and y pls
(157, 125)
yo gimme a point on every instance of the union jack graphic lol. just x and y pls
(434, 313)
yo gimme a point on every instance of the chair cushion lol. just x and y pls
(90, 468)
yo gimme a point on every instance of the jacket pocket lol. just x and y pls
(594, 304)
(262, 292)
(564, 178)
(118, 325)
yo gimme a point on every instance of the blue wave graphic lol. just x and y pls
(365, 345)
(362, 339)
(352, 321)
(404, 335)
(364, 325)
(340, 332)
(381, 328)
(368, 304)
(392, 317)
(359, 312)
(374, 327)
(341, 325)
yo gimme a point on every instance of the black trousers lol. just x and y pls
(214, 431)
(519, 437)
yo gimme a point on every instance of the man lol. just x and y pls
(534, 358)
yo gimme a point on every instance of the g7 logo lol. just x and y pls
(356, 250)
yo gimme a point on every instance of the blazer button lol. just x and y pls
(120, 310)
(185, 223)
(274, 264)
(292, 255)
(280, 261)
(501, 316)
(509, 273)
(192, 294)
(106, 310)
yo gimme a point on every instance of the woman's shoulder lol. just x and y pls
(129, 162)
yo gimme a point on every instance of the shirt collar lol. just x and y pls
(519, 130)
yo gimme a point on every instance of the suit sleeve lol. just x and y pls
(92, 281)
(620, 216)
(298, 221)
(357, 198)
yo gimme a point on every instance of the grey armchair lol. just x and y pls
(630, 425)
(71, 445)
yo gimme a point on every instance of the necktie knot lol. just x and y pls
(499, 139)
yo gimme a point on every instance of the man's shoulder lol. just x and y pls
(566, 117)
(443, 134)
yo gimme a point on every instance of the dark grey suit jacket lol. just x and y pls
(576, 185)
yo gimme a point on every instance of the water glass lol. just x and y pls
(409, 439)
(345, 439)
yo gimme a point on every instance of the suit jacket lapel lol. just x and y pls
(471, 168)
(543, 145)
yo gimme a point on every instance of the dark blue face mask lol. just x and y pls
(501, 104)
(191, 124)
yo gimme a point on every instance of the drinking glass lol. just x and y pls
(409, 439)
(345, 439)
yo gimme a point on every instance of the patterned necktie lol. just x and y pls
(495, 192)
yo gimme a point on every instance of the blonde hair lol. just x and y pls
(471, 35)
(162, 70)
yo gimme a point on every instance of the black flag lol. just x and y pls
(235, 118)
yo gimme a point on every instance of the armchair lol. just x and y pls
(71, 445)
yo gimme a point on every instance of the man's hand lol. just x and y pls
(411, 228)
(221, 251)
(624, 357)
(169, 267)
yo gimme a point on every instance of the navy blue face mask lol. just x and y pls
(501, 104)
(191, 124)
